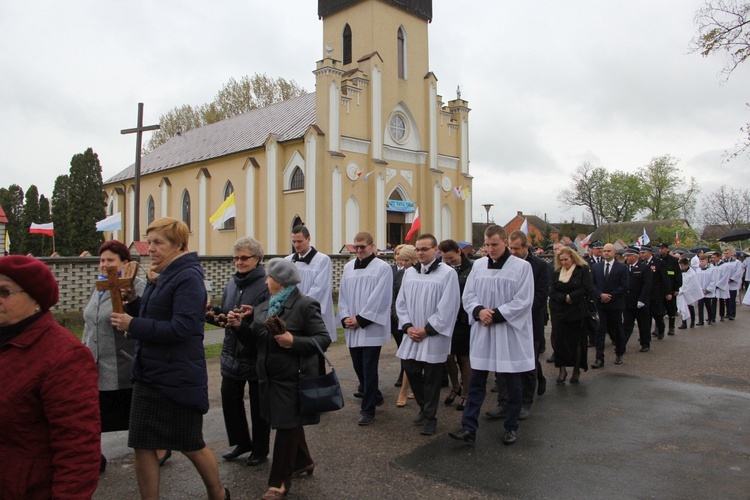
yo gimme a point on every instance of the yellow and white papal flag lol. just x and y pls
(226, 211)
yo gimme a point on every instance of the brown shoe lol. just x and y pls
(273, 494)
(308, 469)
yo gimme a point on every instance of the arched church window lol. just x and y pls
(150, 210)
(298, 179)
(401, 50)
(228, 190)
(347, 45)
(186, 208)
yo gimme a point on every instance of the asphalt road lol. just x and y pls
(671, 423)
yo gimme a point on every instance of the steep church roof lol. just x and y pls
(286, 120)
(421, 8)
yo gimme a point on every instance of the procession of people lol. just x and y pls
(467, 324)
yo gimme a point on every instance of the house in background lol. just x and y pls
(537, 227)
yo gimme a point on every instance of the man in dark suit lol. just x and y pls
(637, 300)
(609, 287)
(674, 273)
(660, 290)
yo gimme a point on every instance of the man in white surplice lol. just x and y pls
(317, 275)
(365, 295)
(427, 306)
(498, 296)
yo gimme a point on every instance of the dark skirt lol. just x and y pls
(114, 409)
(158, 423)
(460, 340)
(571, 344)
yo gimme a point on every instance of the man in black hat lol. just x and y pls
(637, 299)
(595, 253)
(660, 289)
(672, 266)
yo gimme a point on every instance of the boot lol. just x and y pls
(671, 326)
(683, 326)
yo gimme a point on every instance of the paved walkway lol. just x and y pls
(671, 423)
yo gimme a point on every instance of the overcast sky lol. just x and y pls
(551, 84)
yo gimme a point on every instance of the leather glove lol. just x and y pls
(275, 325)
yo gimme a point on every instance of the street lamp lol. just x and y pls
(487, 207)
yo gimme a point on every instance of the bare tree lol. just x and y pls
(726, 207)
(588, 191)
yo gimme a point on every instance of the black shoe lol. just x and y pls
(551, 359)
(366, 419)
(618, 360)
(461, 404)
(380, 403)
(731, 318)
(429, 427)
(238, 450)
(599, 363)
(463, 435)
(683, 326)
(525, 413)
(645, 348)
(164, 459)
(661, 336)
(398, 383)
(254, 460)
(498, 411)
(452, 396)
(419, 419)
(510, 437)
(358, 395)
(103, 464)
(668, 333)
(700, 323)
(655, 334)
(541, 386)
(227, 495)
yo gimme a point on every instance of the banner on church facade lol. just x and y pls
(400, 206)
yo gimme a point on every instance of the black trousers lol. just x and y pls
(610, 321)
(709, 304)
(365, 361)
(425, 379)
(643, 317)
(235, 418)
(290, 453)
(529, 382)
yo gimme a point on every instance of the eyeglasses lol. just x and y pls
(360, 247)
(424, 249)
(243, 258)
(6, 292)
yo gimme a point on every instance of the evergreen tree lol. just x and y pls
(61, 215)
(85, 194)
(11, 199)
(44, 217)
(32, 243)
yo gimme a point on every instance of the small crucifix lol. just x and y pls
(138, 131)
(116, 285)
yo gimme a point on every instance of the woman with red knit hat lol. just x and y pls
(49, 402)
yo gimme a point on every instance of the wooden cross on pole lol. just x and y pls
(138, 131)
(115, 284)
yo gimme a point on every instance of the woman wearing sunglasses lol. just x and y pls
(49, 402)
(238, 361)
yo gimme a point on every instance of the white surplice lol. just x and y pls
(722, 281)
(690, 293)
(317, 282)
(735, 274)
(367, 293)
(432, 298)
(501, 347)
(707, 280)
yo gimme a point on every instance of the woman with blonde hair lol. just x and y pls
(170, 381)
(569, 296)
(406, 257)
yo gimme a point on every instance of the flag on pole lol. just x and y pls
(415, 225)
(111, 223)
(226, 211)
(677, 238)
(644, 239)
(7, 241)
(585, 241)
(458, 191)
(368, 174)
(464, 193)
(48, 229)
(525, 227)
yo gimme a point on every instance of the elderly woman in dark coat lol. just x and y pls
(569, 294)
(285, 329)
(238, 361)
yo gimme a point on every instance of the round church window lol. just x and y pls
(398, 128)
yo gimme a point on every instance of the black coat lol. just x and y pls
(674, 273)
(660, 284)
(237, 359)
(279, 368)
(579, 289)
(541, 271)
(615, 284)
(639, 285)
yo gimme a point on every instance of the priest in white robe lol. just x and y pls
(721, 271)
(498, 296)
(427, 306)
(707, 281)
(735, 274)
(316, 271)
(689, 294)
(365, 295)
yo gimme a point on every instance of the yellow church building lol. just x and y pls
(372, 144)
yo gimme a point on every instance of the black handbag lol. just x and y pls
(322, 393)
(591, 316)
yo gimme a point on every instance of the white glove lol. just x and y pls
(641, 304)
